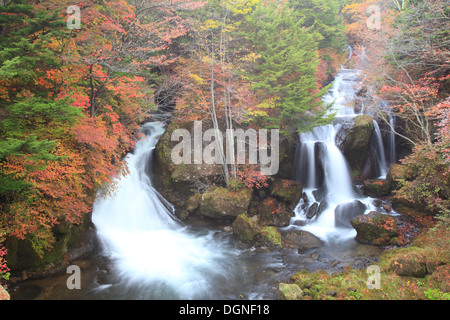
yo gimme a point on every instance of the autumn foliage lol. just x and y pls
(71, 103)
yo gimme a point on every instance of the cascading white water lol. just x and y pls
(141, 234)
(334, 195)
(383, 166)
(391, 141)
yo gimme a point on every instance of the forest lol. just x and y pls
(78, 79)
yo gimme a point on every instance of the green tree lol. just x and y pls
(285, 72)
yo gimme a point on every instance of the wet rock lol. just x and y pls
(269, 236)
(357, 141)
(312, 210)
(347, 211)
(290, 291)
(245, 228)
(301, 240)
(314, 255)
(374, 228)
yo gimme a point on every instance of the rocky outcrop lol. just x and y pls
(376, 188)
(356, 143)
(245, 228)
(375, 228)
(347, 211)
(223, 203)
(289, 191)
(273, 213)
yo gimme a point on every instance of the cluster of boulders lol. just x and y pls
(256, 215)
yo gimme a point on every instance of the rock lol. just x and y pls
(357, 140)
(347, 211)
(312, 210)
(374, 228)
(290, 291)
(270, 236)
(322, 207)
(302, 240)
(289, 191)
(376, 188)
(314, 255)
(223, 203)
(409, 265)
(245, 228)
(273, 213)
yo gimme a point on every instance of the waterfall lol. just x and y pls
(141, 234)
(329, 198)
(391, 141)
(383, 166)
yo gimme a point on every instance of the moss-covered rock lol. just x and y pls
(270, 236)
(224, 203)
(245, 228)
(374, 228)
(273, 213)
(175, 181)
(290, 291)
(409, 265)
(289, 191)
(376, 188)
(357, 140)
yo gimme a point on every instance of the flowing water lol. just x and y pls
(330, 199)
(147, 253)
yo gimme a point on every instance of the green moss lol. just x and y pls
(271, 236)
(245, 228)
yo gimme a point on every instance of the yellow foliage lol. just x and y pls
(199, 80)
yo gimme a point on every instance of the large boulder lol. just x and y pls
(376, 188)
(224, 203)
(245, 228)
(374, 228)
(290, 291)
(301, 240)
(286, 190)
(175, 181)
(269, 236)
(273, 213)
(357, 141)
(347, 211)
(409, 265)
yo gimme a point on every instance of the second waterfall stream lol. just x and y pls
(330, 199)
